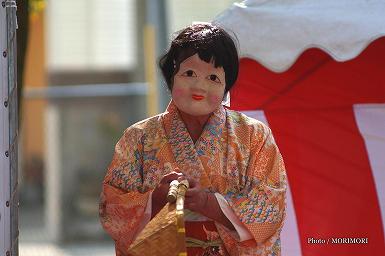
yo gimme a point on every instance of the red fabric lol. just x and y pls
(310, 110)
(195, 230)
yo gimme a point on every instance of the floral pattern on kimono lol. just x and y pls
(235, 156)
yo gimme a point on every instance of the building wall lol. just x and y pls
(183, 13)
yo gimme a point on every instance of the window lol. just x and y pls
(91, 35)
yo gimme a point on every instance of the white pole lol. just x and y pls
(156, 20)
(53, 181)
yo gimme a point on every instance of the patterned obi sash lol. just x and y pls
(202, 239)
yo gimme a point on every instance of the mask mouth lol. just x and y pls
(197, 97)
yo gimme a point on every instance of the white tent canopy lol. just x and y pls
(276, 32)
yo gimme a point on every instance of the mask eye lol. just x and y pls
(214, 78)
(189, 73)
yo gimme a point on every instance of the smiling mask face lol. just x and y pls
(198, 86)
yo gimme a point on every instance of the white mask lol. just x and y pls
(198, 87)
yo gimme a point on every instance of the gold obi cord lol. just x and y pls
(192, 242)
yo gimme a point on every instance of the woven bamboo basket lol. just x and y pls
(164, 235)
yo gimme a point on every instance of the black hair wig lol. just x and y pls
(211, 43)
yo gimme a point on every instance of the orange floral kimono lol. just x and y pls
(235, 157)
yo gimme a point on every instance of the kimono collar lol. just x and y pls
(218, 116)
(188, 155)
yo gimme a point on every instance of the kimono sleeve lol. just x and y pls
(260, 204)
(123, 201)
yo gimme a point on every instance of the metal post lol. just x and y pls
(4, 162)
(9, 130)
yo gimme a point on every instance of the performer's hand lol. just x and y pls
(205, 203)
(195, 198)
(159, 195)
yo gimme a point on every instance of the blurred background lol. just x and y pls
(87, 70)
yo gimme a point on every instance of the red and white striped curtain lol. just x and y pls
(328, 119)
(325, 103)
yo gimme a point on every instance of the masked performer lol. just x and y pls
(236, 199)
